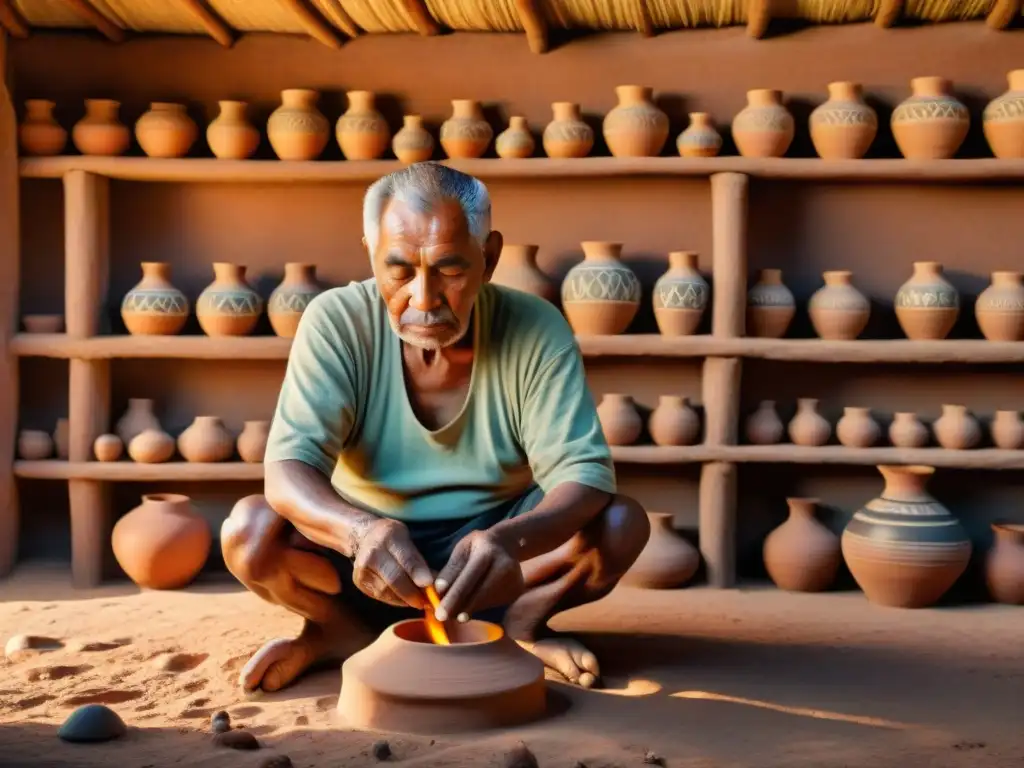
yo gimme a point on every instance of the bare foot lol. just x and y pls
(279, 662)
(567, 657)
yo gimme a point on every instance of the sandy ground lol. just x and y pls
(704, 678)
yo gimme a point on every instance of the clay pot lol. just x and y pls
(231, 136)
(1003, 119)
(802, 555)
(137, 418)
(362, 132)
(700, 139)
(907, 431)
(39, 133)
(927, 305)
(1007, 430)
(567, 135)
(296, 129)
(956, 428)
(680, 296)
(856, 428)
(61, 438)
(517, 268)
(166, 130)
(154, 307)
(228, 306)
(206, 440)
(999, 309)
(838, 310)
(635, 127)
(764, 128)
(108, 448)
(764, 427)
(666, 561)
(1004, 564)
(931, 124)
(904, 548)
(466, 133)
(43, 323)
(151, 446)
(34, 445)
(620, 421)
(674, 422)
(600, 295)
(413, 142)
(252, 442)
(163, 543)
(516, 141)
(808, 427)
(100, 132)
(290, 299)
(770, 306)
(844, 126)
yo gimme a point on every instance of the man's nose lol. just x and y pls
(423, 293)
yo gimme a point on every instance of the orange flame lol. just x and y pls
(435, 629)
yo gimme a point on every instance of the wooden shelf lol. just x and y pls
(985, 458)
(182, 347)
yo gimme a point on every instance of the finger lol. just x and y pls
(452, 569)
(557, 658)
(461, 590)
(399, 582)
(312, 571)
(586, 661)
(372, 585)
(412, 562)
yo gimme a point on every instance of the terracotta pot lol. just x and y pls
(362, 132)
(154, 307)
(43, 323)
(667, 561)
(674, 422)
(770, 306)
(1004, 565)
(1007, 430)
(764, 128)
(100, 132)
(635, 127)
(907, 431)
(166, 130)
(108, 448)
(290, 299)
(296, 129)
(956, 428)
(808, 427)
(764, 427)
(163, 543)
(252, 442)
(413, 142)
(999, 309)
(1003, 120)
(620, 421)
(931, 124)
(517, 268)
(466, 133)
(34, 445)
(680, 296)
(844, 126)
(61, 438)
(151, 446)
(700, 139)
(856, 428)
(39, 133)
(927, 305)
(231, 136)
(567, 135)
(138, 418)
(802, 555)
(228, 306)
(600, 295)
(516, 140)
(904, 548)
(838, 310)
(206, 440)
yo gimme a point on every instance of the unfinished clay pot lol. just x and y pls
(252, 442)
(163, 543)
(413, 142)
(844, 126)
(956, 428)
(856, 428)
(228, 306)
(635, 127)
(907, 431)
(206, 440)
(1007, 430)
(166, 130)
(154, 307)
(151, 446)
(61, 439)
(904, 548)
(516, 141)
(137, 418)
(290, 299)
(764, 128)
(808, 427)
(39, 133)
(567, 135)
(931, 124)
(700, 139)
(517, 268)
(43, 323)
(620, 421)
(362, 132)
(680, 296)
(802, 555)
(296, 129)
(999, 309)
(927, 305)
(674, 422)
(838, 310)
(100, 132)
(1004, 564)
(34, 445)
(231, 136)
(108, 448)
(770, 306)
(600, 295)
(1003, 119)
(466, 133)
(666, 561)
(764, 427)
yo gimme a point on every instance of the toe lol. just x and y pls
(587, 680)
(254, 670)
(276, 664)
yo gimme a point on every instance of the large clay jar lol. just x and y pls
(764, 128)
(680, 296)
(567, 135)
(252, 441)
(154, 307)
(931, 124)
(100, 132)
(517, 268)
(290, 299)
(838, 310)
(808, 427)
(163, 543)
(620, 421)
(700, 139)
(466, 134)
(362, 131)
(228, 306)
(635, 127)
(1007, 430)
(39, 133)
(802, 555)
(34, 445)
(151, 446)
(856, 428)
(413, 142)
(166, 130)
(206, 440)
(844, 126)
(1003, 119)
(770, 306)
(296, 129)
(674, 422)
(927, 305)
(907, 431)
(600, 295)
(1004, 564)
(108, 448)
(904, 548)
(62, 439)
(137, 418)
(231, 136)
(667, 561)
(764, 427)
(999, 309)
(516, 141)
(956, 428)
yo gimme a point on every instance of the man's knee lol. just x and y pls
(625, 530)
(242, 537)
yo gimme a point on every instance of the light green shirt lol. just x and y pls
(529, 418)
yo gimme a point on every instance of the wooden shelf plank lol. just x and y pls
(152, 347)
(985, 458)
(114, 471)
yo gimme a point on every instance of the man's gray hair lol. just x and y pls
(421, 186)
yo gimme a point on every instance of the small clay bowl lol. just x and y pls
(43, 323)
(34, 444)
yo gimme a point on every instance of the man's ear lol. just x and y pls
(492, 251)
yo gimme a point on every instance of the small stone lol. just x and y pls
(220, 722)
(277, 761)
(92, 723)
(236, 740)
(652, 758)
(520, 757)
(381, 750)
(25, 646)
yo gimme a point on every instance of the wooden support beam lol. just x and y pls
(314, 24)
(425, 23)
(759, 16)
(721, 396)
(888, 13)
(729, 257)
(110, 30)
(644, 25)
(12, 21)
(532, 19)
(214, 25)
(717, 523)
(1003, 13)
(90, 530)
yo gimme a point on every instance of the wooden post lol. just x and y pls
(718, 522)
(729, 258)
(721, 395)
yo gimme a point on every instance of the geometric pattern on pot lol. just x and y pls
(602, 282)
(680, 294)
(155, 302)
(230, 302)
(290, 301)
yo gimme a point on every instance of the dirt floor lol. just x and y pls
(703, 678)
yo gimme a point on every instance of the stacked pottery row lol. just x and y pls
(672, 422)
(38, 444)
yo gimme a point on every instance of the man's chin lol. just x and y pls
(430, 339)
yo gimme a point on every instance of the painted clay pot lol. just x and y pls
(907, 431)
(163, 543)
(43, 323)
(680, 296)
(764, 427)
(166, 130)
(856, 428)
(100, 132)
(904, 548)
(802, 555)
(151, 446)
(1007, 430)
(231, 136)
(666, 561)
(931, 124)
(764, 128)
(674, 422)
(413, 142)
(61, 438)
(1003, 119)
(154, 307)
(808, 427)
(927, 305)
(137, 418)
(466, 133)
(999, 309)
(517, 268)
(362, 132)
(567, 135)
(228, 306)
(296, 129)
(206, 440)
(39, 133)
(516, 140)
(252, 442)
(600, 295)
(635, 127)
(620, 421)
(1004, 564)
(844, 126)
(838, 310)
(956, 428)
(290, 299)
(700, 139)
(34, 445)
(770, 306)
(108, 448)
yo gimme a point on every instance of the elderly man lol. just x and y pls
(432, 428)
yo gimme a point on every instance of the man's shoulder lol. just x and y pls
(347, 306)
(528, 327)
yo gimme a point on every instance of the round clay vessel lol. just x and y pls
(620, 421)
(163, 543)
(151, 446)
(763, 128)
(666, 561)
(228, 306)
(674, 422)
(43, 323)
(39, 133)
(231, 136)
(403, 682)
(100, 132)
(1003, 119)
(362, 132)
(802, 555)
(907, 431)
(1007, 430)
(904, 548)
(764, 427)
(635, 127)
(61, 439)
(413, 142)
(700, 139)
(1004, 564)
(252, 442)
(600, 295)
(680, 296)
(956, 428)
(567, 135)
(838, 310)
(108, 448)
(206, 440)
(290, 299)
(166, 130)
(808, 427)
(517, 268)
(927, 305)
(856, 428)
(466, 133)
(844, 126)
(296, 129)
(931, 124)
(999, 309)
(516, 140)
(34, 445)
(154, 307)
(137, 418)
(770, 306)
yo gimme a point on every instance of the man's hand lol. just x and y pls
(388, 567)
(481, 573)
